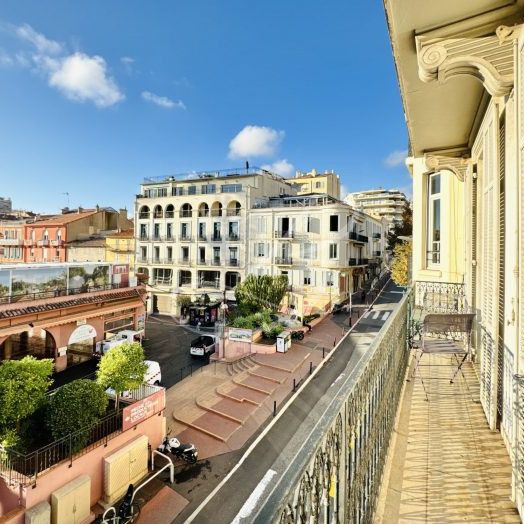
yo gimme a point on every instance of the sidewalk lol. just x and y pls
(445, 463)
(221, 407)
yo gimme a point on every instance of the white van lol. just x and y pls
(127, 335)
(153, 373)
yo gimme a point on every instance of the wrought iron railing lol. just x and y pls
(23, 469)
(340, 480)
(518, 445)
(441, 297)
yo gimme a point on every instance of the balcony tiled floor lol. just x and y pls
(446, 465)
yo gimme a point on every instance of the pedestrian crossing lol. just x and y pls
(380, 315)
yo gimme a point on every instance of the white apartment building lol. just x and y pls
(380, 203)
(192, 233)
(326, 249)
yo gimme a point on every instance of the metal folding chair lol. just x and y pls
(445, 334)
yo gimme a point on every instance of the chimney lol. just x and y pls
(80, 209)
(97, 207)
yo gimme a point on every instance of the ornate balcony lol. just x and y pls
(283, 261)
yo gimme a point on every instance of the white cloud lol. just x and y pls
(42, 44)
(162, 101)
(255, 141)
(280, 167)
(396, 158)
(83, 78)
(6, 59)
(128, 62)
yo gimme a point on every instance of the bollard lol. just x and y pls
(294, 385)
(350, 320)
(334, 342)
(274, 407)
(323, 352)
(310, 367)
(191, 369)
(181, 372)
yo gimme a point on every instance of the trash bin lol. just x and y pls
(283, 341)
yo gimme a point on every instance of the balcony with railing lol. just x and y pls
(233, 262)
(233, 237)
(284, 234)
(11, 242)
(185, 238)
(216, 238)
(283, 261)
(202, 237)
(397, 445)
(43, 243)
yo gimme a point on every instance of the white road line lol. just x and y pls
(251, 502)
(376, 314)
(268, 428)
(366, 314)
(386, 315)
(337, 379)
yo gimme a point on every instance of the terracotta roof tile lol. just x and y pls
(61, 220)
(128, 233)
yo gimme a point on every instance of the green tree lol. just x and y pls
(23, 385)
(261, 291)
(122, 368)
(401, 264)
(403, 228)
(74, 408)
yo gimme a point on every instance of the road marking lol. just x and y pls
(376, 314)
(268, 428)
(366, 314)
(386, 315)
(251, 502)
(337, 379)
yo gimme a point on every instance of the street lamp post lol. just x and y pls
(223, 310)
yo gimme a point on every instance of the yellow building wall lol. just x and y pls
(121, 251)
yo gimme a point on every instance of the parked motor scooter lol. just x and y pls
(297, 335)
(187, 452)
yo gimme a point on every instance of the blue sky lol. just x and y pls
(94, 96)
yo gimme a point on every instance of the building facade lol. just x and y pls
(49, 240)
(192, 233)
(60, 311)
(380, 203)
(463, 72)
(326, 249)
(120, 248)
(11, 241)
(315, 183)
(6, 205)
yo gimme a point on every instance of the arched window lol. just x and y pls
(158, 212)
(233, 208)
(203, 210)
(186, 210)
(170, 211)
(144, 212)
(216, 209)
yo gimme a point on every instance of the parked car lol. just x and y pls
(153, 377)
(121, 337)
(202, 346)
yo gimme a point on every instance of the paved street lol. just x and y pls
(165, 342)
(276, 449)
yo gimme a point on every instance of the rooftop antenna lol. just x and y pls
(67, 195)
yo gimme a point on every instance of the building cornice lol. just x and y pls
(487, 58)
(457, 165)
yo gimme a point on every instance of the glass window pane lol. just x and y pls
(435, 184)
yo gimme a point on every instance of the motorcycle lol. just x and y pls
(187, 452)
(297, 335)
(128, 511)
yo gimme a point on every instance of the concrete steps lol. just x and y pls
(274, 361)
(226, 407)
(275, 375)
(208, 422)
(257, 383)
(239, 393)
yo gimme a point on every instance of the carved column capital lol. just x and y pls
(488, 58)
(457, 165)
